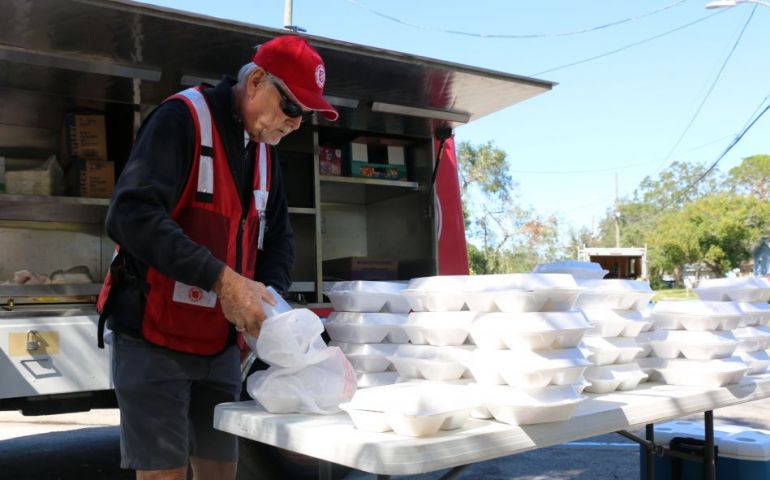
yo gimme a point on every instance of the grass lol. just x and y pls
(674, 294)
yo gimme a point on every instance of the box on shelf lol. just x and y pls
(97, 178)
(382, 171)
(85, 136)
(361, 268)
(371, 157)
(45, 179)
(330, 160)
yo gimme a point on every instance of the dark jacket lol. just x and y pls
(139, 217)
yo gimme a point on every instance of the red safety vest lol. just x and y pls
(187, 318)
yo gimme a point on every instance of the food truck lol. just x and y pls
(373, 195)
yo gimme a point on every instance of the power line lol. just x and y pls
(724, 152)
(511, 36)
(711, 88)
(612, 169)
(630, 45)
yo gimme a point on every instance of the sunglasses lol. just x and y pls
(290, 108)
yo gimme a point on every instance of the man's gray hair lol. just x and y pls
(245, 71)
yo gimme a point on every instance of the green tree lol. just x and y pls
(506, 237)
(752, 177)
(718, 230)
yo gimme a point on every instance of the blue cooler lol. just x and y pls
(744, 453)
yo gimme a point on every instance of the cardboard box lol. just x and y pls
(382, 171)
(330, 160)
(97, 178)
(85, 136)
(361, 268)
(45, 179)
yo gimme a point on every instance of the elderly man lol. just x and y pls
(201, 220)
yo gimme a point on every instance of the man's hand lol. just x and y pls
(241, 300)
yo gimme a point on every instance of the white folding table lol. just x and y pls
(334, 439)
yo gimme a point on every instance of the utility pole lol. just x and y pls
(287, 17)
(617, 214)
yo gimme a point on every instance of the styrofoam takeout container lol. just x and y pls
(696, 315)
(368, 296)
(438, 328)
(599, 351)
(742, 289)
(429, 362)
(356, 327)
(527, 369)
(756, 361)
(651, 365)
(527, 407)
(368, 380)
(608, 378)
(504, 301)
(691, 344)
(708, 373)
(554, 292)
(629, 348)
(757, 313)
(614, 294)
(751, 339)
(367, 357)
(413, 409)
(579, 270)
(616, 323)
(530, 330)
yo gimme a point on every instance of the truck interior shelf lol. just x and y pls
(42, 208)
(362, 191)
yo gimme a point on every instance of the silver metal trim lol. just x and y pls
(451, 116)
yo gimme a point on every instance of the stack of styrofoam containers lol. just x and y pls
(750, 295)
(612, 307)
(516, 341)
(367, 325)
(693, 343)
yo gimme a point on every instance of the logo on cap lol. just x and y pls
(320, 76)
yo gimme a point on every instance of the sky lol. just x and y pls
(628, 114)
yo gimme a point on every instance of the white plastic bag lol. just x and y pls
(270, 311)
(317, 388)
(291, 339)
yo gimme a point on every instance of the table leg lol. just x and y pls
(324, 470)
(709, 462)
(649, 459)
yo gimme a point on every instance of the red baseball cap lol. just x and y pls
(300, 67)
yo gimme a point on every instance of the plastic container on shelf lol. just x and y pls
(751, 339)
(357, 327)
(579, 270)
(368, 296)
(703, 373)
(756, 313)
(530, 330)
(614, 294)
(438, 328)
(697, 315)
(608, 378)
(616, 323)
(757, 361)
(527, 407)
(692, 345)
(740, 289)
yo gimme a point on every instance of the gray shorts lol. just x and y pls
(167, 400)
